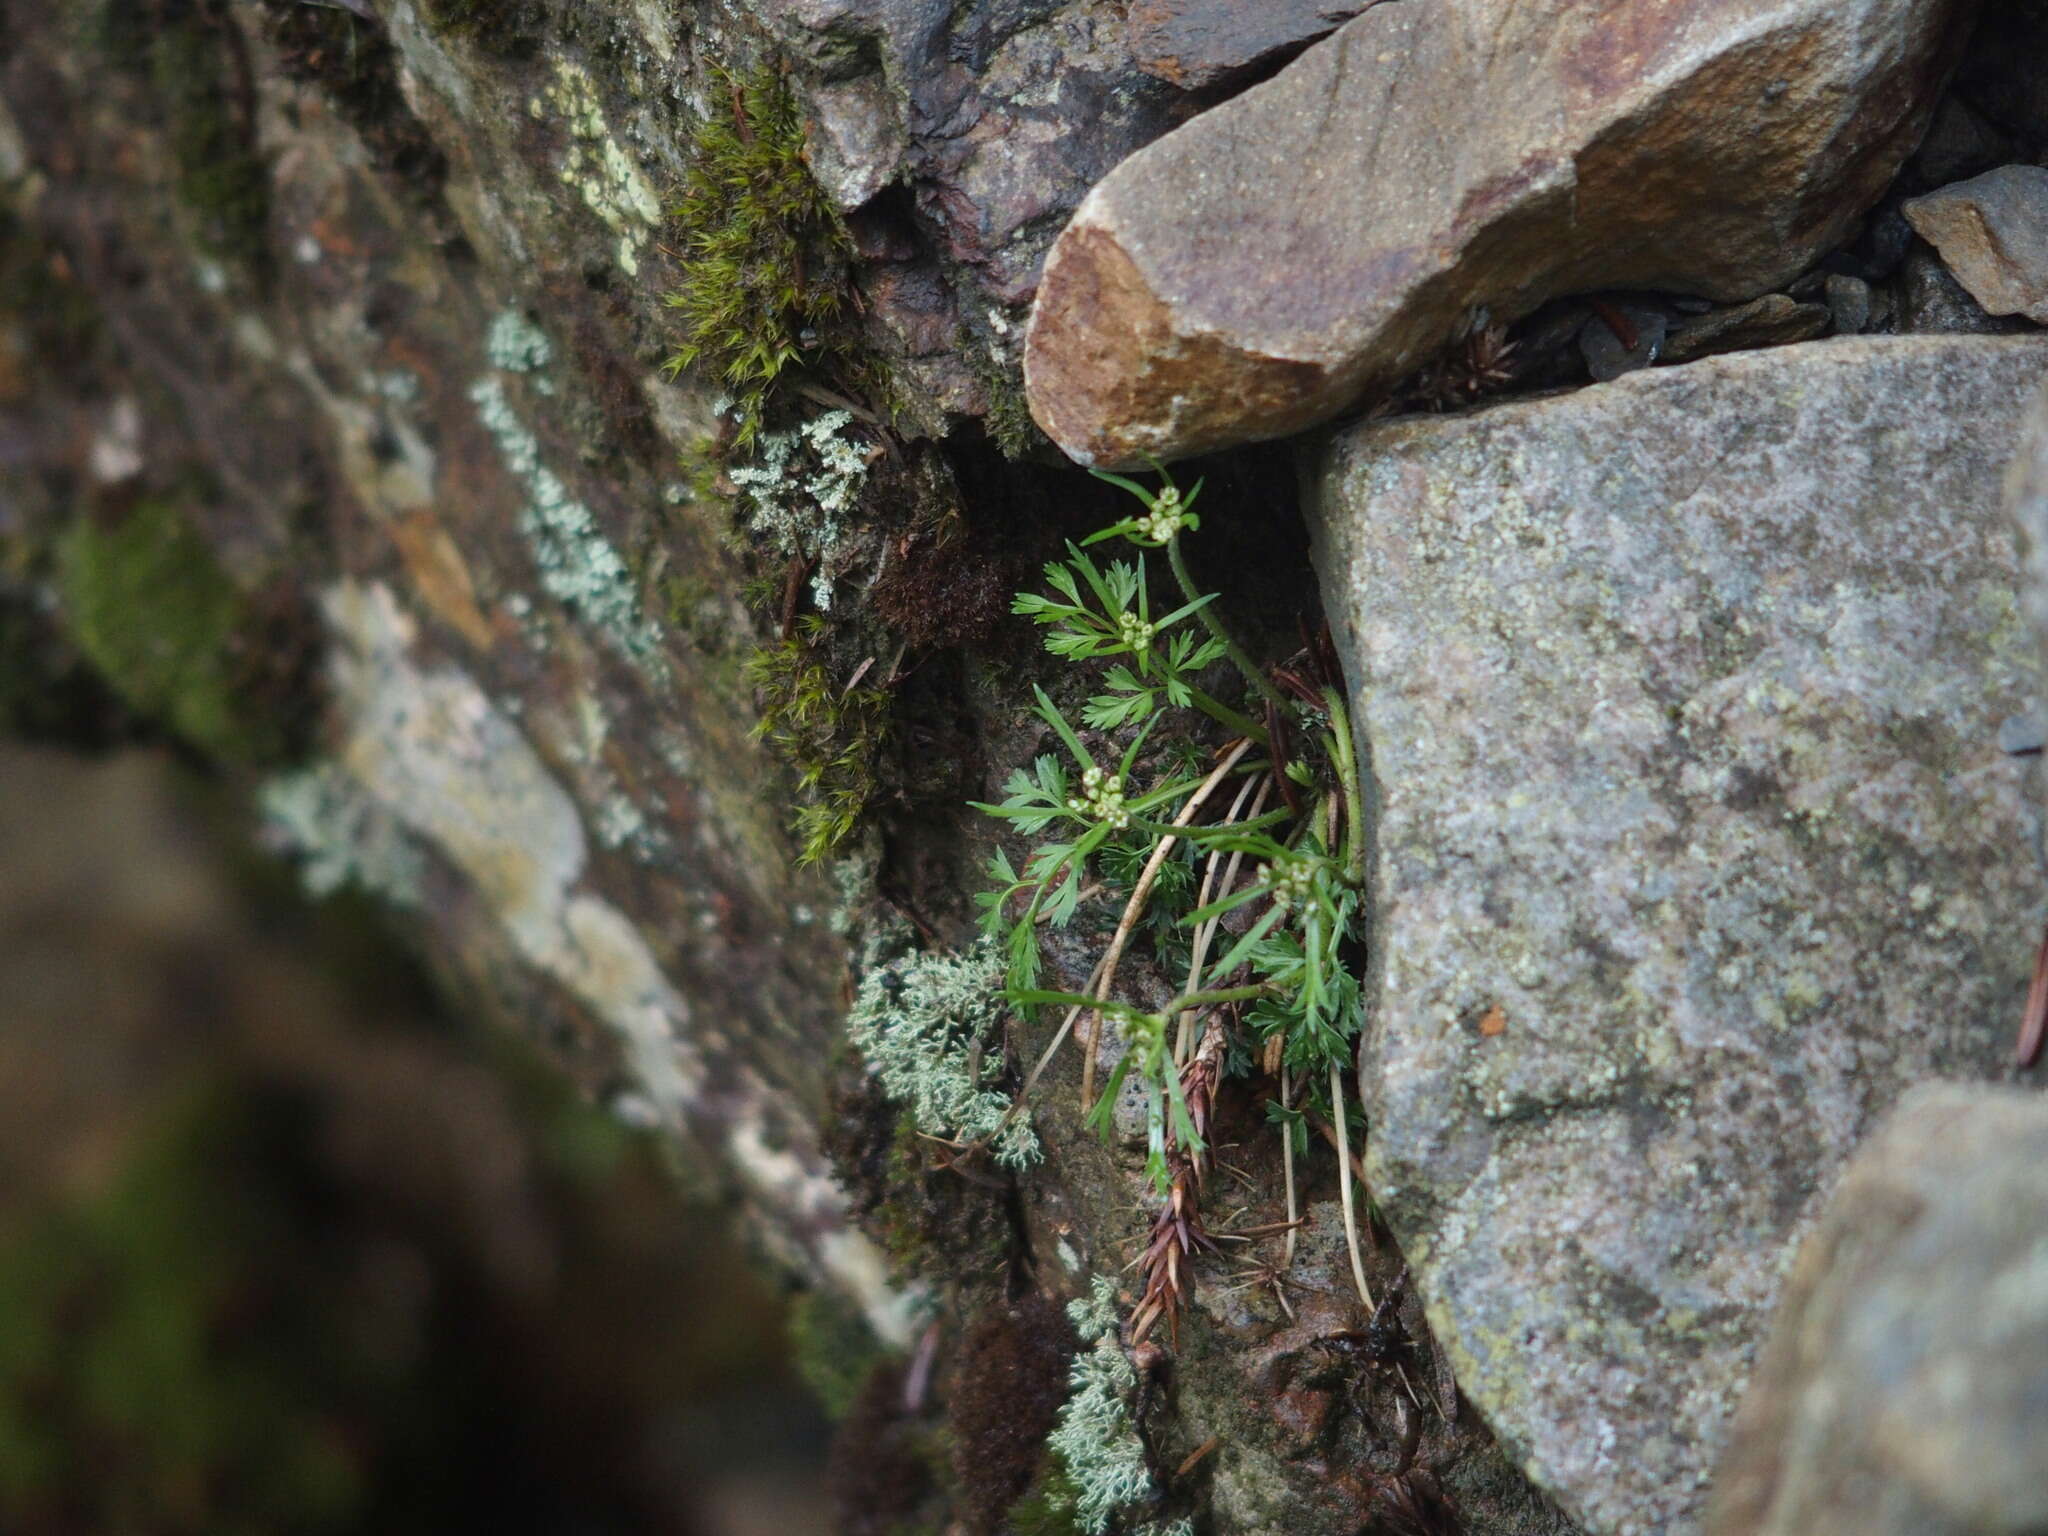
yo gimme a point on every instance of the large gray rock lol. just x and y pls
(1695, 849)
(2026, 496)
(1904, 1391)
(1266, 265)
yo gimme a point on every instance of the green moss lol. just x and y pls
(830, 735)
(161, 621)
(1048, 1509)
(765, 256)
(833, 1349)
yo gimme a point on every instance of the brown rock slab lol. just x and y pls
(1992, 230)
(1266, 265)
(1197, 43)
(1901, 1392)
(1775, 320)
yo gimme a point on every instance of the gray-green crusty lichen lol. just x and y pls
(340, 836)
(1695, 848)
(930, 1028)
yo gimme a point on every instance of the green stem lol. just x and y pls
(1345, 756)
(1207, 614)
(1229, 718)
(1189, 1000)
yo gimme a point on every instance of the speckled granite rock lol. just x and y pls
(1901, 1392)
(1696, 848)
(2026, 495)
(1317, 238)
(1197, 43)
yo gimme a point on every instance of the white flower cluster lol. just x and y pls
(1102, 796)
(921, 1024)
(1164, 518)
(1292, 881)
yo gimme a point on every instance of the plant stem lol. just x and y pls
(1206, 613)
(1227, 717)
(1189, 1000)
(1345, 755)
(1344, 1182)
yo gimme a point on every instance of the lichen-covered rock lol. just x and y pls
(1992, 230)
(1318, 237)
(1900, 1393)
(2026, 495)
(1696, 848)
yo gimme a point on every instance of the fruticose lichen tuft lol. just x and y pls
(923, 1024)
(800, 487)
(1096, 1437)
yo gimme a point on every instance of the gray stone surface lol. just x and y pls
(2026, 498)
(1319, 237)
(1992, 230)
(1682, 696)
(1904, 1391)
(1199, 43)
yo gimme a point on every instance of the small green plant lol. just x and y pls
(1131, 817)
(828, 733)
(762, 250)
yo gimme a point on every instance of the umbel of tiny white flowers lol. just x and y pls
(1102, 796)
(1291, 882)
(1165, 518)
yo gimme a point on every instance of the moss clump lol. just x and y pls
(161, 621)
(1006, 1396)
(1048, 1509)
(833, 1350)
(764, 254)
(829, 734)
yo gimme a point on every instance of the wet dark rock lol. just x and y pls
(1959, 143)
(1620, 338)
(1682, 697)
(1901, 1392)
(1928, 299)
(1992, 232)
(1318, 238)
(1197, 43)
(1775, 320)
(1848, 302)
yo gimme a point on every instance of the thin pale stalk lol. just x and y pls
(1344, 1181)
(1134, 909)
(1287, 1163)
(1199, 950)
(1344, 754)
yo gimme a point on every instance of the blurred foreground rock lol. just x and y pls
(1697, 849)
(1902, 1390)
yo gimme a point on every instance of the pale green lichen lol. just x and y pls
(798, 490)
(610, 184)
(578, 566)
(341, 836)
(515, 344)
(1096, 1437)
(924, 1025)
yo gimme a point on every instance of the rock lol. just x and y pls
(1266, 265)
(1775, 320)
(1959, 143)
(1902, 1388)
(1681, 696)
(1929, 300)
(2026, 500)
(1609, 353)
(1848, 301)
(1992, 231)
(1197, 43)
